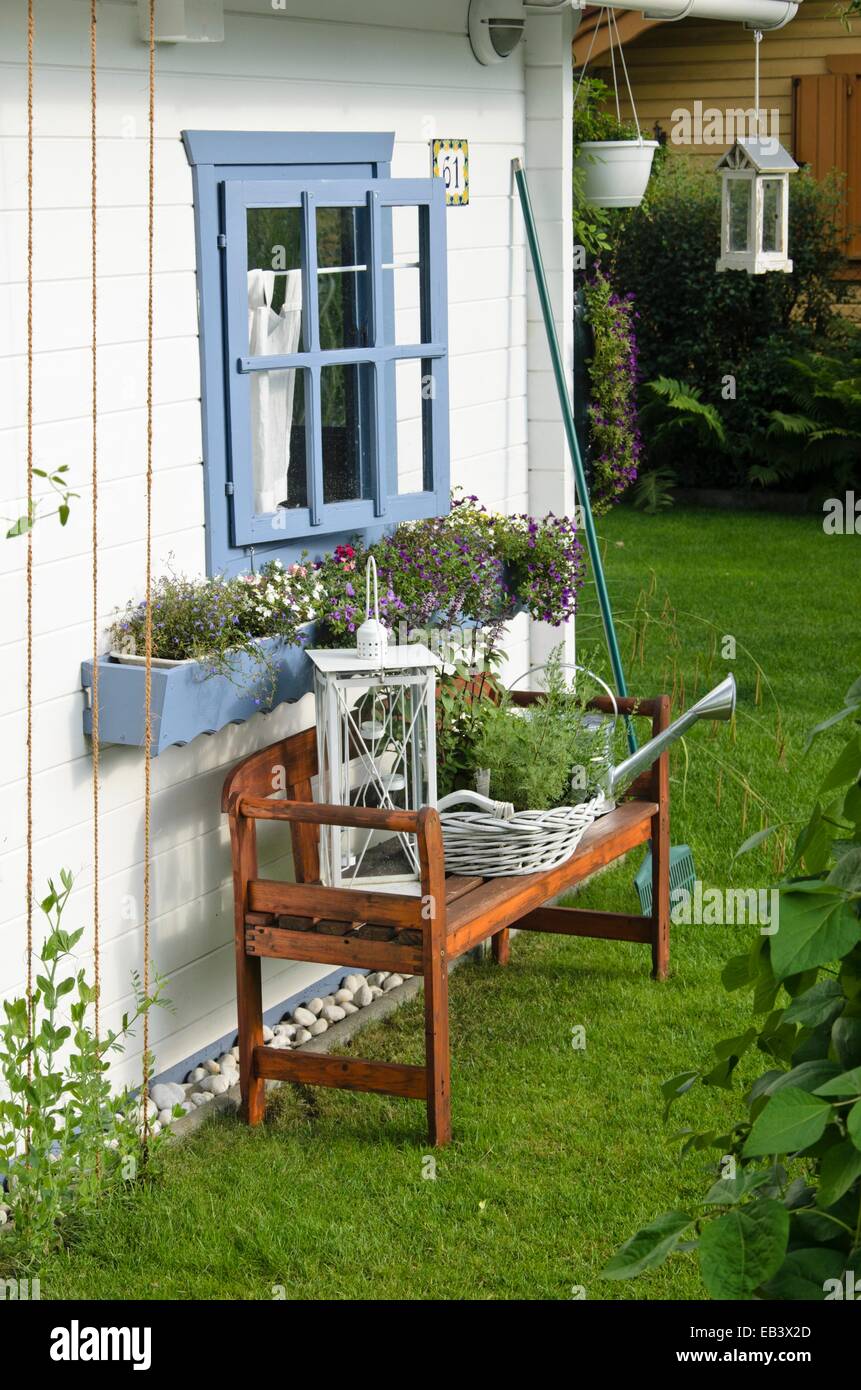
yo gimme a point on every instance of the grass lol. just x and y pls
(559, 1155)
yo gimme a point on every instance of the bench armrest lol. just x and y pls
(316, 813)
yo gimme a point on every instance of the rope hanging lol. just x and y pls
(148, 618)
(29, 886)
(95, 517)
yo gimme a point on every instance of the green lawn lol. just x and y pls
(558, 1155)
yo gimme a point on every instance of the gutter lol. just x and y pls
(755, 14)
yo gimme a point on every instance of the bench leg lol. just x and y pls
(249, 995)
(435, 970)
(661, 875)
(500, 946)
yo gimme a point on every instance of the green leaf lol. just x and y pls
(727, 1191)
(793, 1119)
(840, 1168)
(649, 1247)
(807, 1076)
(817, 925)
(847, 767)
(19, 527)
(803, 1274)
(754, 840)
(853, 1124)
(737, 973)
(846, 1041)
(820, 1004)
(846, 1083)
(743, 1249)
(846, 873)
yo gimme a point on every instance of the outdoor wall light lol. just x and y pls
(495, 29)
(183, 21)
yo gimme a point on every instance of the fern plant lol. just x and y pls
(825, 430)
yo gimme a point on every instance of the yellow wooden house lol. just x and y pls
(685, 72)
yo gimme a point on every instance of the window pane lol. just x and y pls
(347, 415)
(406, 276)
(412, 383)
(274, 281)
(740, 191)
(772, 215)
(278, 442)
(342, 278)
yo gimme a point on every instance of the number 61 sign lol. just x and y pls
(451, 164)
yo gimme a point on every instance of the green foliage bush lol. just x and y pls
(782, 1216)
(698, 327)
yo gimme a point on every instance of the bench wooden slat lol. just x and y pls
(333, 950)
(578, 921)
(347, 1073)
(344, 904)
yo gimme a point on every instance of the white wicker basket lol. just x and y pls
(494, 840)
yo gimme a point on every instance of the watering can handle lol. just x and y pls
(571, 666)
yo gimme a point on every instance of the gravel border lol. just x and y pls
(343, 1031)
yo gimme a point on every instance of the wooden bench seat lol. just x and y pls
(358, 928)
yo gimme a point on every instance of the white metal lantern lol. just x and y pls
(755, 207)
(376, 746)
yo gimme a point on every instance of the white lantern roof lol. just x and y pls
(335, 661)
(760, 156)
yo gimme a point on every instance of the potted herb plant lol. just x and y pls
(612, 161)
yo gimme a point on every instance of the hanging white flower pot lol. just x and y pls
(615, 173)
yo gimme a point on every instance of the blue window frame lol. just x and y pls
(323, 344)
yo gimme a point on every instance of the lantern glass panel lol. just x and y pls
(772, 215)
(739, 195)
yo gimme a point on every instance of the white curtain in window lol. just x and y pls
(270, 334)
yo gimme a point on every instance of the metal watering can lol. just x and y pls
(717, 704)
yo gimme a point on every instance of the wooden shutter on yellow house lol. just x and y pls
(827, 135)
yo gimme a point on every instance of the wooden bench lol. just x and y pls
(362, 929)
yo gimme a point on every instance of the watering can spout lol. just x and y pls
(717, 704)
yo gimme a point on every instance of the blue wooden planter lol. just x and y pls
(192, 699)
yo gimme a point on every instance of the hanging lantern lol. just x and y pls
(376, 746)
(755, 197)
(755, 207)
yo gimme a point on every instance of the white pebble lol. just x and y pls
(376, 992)
(375, 978)
(197, 1075)
(227, 1062)
(304, 1017)
(234, 1052)
(333, 1013)
(343, 996)
(391, 982)
(201, 1098)
(165, 1116)
(363, 997)
(302, 1036)
(314, 1006)
(319, 1026)
(352, 983)
(349, 1008)
(212, 1066)
(216, 1085)
(267, 1033)
(166, 1094)
(3, 1216)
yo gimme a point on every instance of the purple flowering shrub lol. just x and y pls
(615, 442)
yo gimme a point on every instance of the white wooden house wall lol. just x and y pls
(406, 66)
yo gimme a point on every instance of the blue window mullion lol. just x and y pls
(310, 306)
(314, 438)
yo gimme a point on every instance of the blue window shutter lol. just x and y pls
(352, 170)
